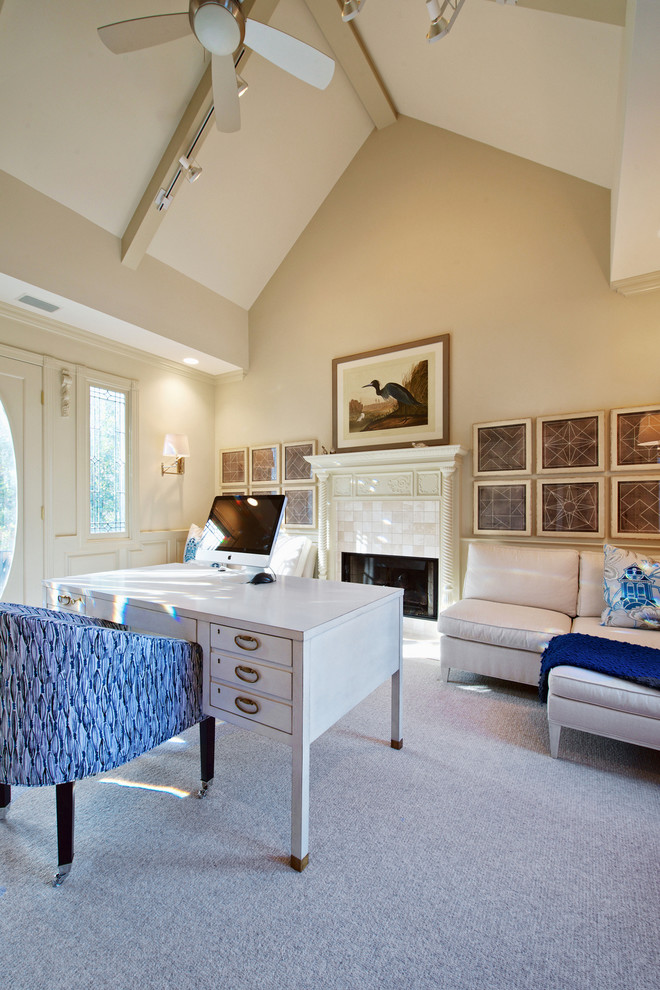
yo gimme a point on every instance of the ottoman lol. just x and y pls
(606, 706)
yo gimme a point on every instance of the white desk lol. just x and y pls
(286, 659)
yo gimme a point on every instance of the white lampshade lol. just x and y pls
(176, 445)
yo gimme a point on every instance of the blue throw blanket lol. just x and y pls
(629, 661)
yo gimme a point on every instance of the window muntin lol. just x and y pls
(107, 460)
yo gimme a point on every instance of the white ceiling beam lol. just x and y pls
(354, 59)
(606, 11)
(144, 223)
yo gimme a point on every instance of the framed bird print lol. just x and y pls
(392, 397)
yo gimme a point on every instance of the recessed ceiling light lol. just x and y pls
(190, 361)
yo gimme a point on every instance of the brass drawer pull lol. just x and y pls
(68, 600)
(248, 643)
(246, 705)
(248, 674)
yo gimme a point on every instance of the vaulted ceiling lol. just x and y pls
(102, 133)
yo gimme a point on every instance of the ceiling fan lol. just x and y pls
(222, 28)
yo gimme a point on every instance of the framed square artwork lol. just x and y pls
(233, 490)
(300, 510)
(635, 438)
(294, 465)
(265, 464)
(502, 507)
(503, 447)
(265, 490)
(392, 397)
(636, 507)
(571, 442)
(570, 507)
(233, 466)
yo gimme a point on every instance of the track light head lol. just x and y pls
(351, 8)
(191, 168)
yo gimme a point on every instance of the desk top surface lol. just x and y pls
(296, 606)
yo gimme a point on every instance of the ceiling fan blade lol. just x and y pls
(290, 54)
(225, 94)
(144, 32)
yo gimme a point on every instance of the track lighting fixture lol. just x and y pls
(351, 8)
(191, 168)
(440, 26)
(162, 200)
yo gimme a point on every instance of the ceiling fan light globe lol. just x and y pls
(218, 25)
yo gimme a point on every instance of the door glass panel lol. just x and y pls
(8, 499)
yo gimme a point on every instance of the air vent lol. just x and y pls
(39, 303)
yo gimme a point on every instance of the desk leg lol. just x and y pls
(300, 807)
(397, 710)
(207, 752)
(5, 799)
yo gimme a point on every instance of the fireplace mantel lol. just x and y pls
(401, 482)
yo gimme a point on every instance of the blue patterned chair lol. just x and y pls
(79, 696)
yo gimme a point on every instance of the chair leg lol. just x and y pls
(65, 804)
(5, 799)
(207, 751)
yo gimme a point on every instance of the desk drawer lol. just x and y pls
(253, 707)
(256, 646)
(248, 676)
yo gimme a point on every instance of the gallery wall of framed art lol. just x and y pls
(592, 475)
(274, 468)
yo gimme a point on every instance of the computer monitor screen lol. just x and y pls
(242, 530)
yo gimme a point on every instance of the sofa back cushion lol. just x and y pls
(539, 578)
(590, 596)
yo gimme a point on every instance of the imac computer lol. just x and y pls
(241, 531)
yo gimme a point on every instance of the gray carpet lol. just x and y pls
(469, 860)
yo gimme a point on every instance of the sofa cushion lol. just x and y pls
(631, 590)
(593, 688)
(591, 625)
(540, 578)
(590, 592)
(517, 627)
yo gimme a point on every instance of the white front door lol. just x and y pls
(22, 552)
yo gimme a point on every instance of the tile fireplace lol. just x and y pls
(394, 503)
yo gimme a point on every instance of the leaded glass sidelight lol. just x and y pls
(107, 460)
(8, 499)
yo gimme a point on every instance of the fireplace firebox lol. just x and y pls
(418, 576)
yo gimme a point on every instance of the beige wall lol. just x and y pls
(428, 232)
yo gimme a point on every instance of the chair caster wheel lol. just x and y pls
(63, 870)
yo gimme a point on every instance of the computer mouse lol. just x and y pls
(263, 577)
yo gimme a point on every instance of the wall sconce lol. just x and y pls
(649, 430)
(176, 445)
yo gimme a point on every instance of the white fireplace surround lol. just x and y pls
(398, 502)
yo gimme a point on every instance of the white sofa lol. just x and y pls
(515, 599)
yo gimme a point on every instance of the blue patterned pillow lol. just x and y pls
(192, 543)
(631, 589)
